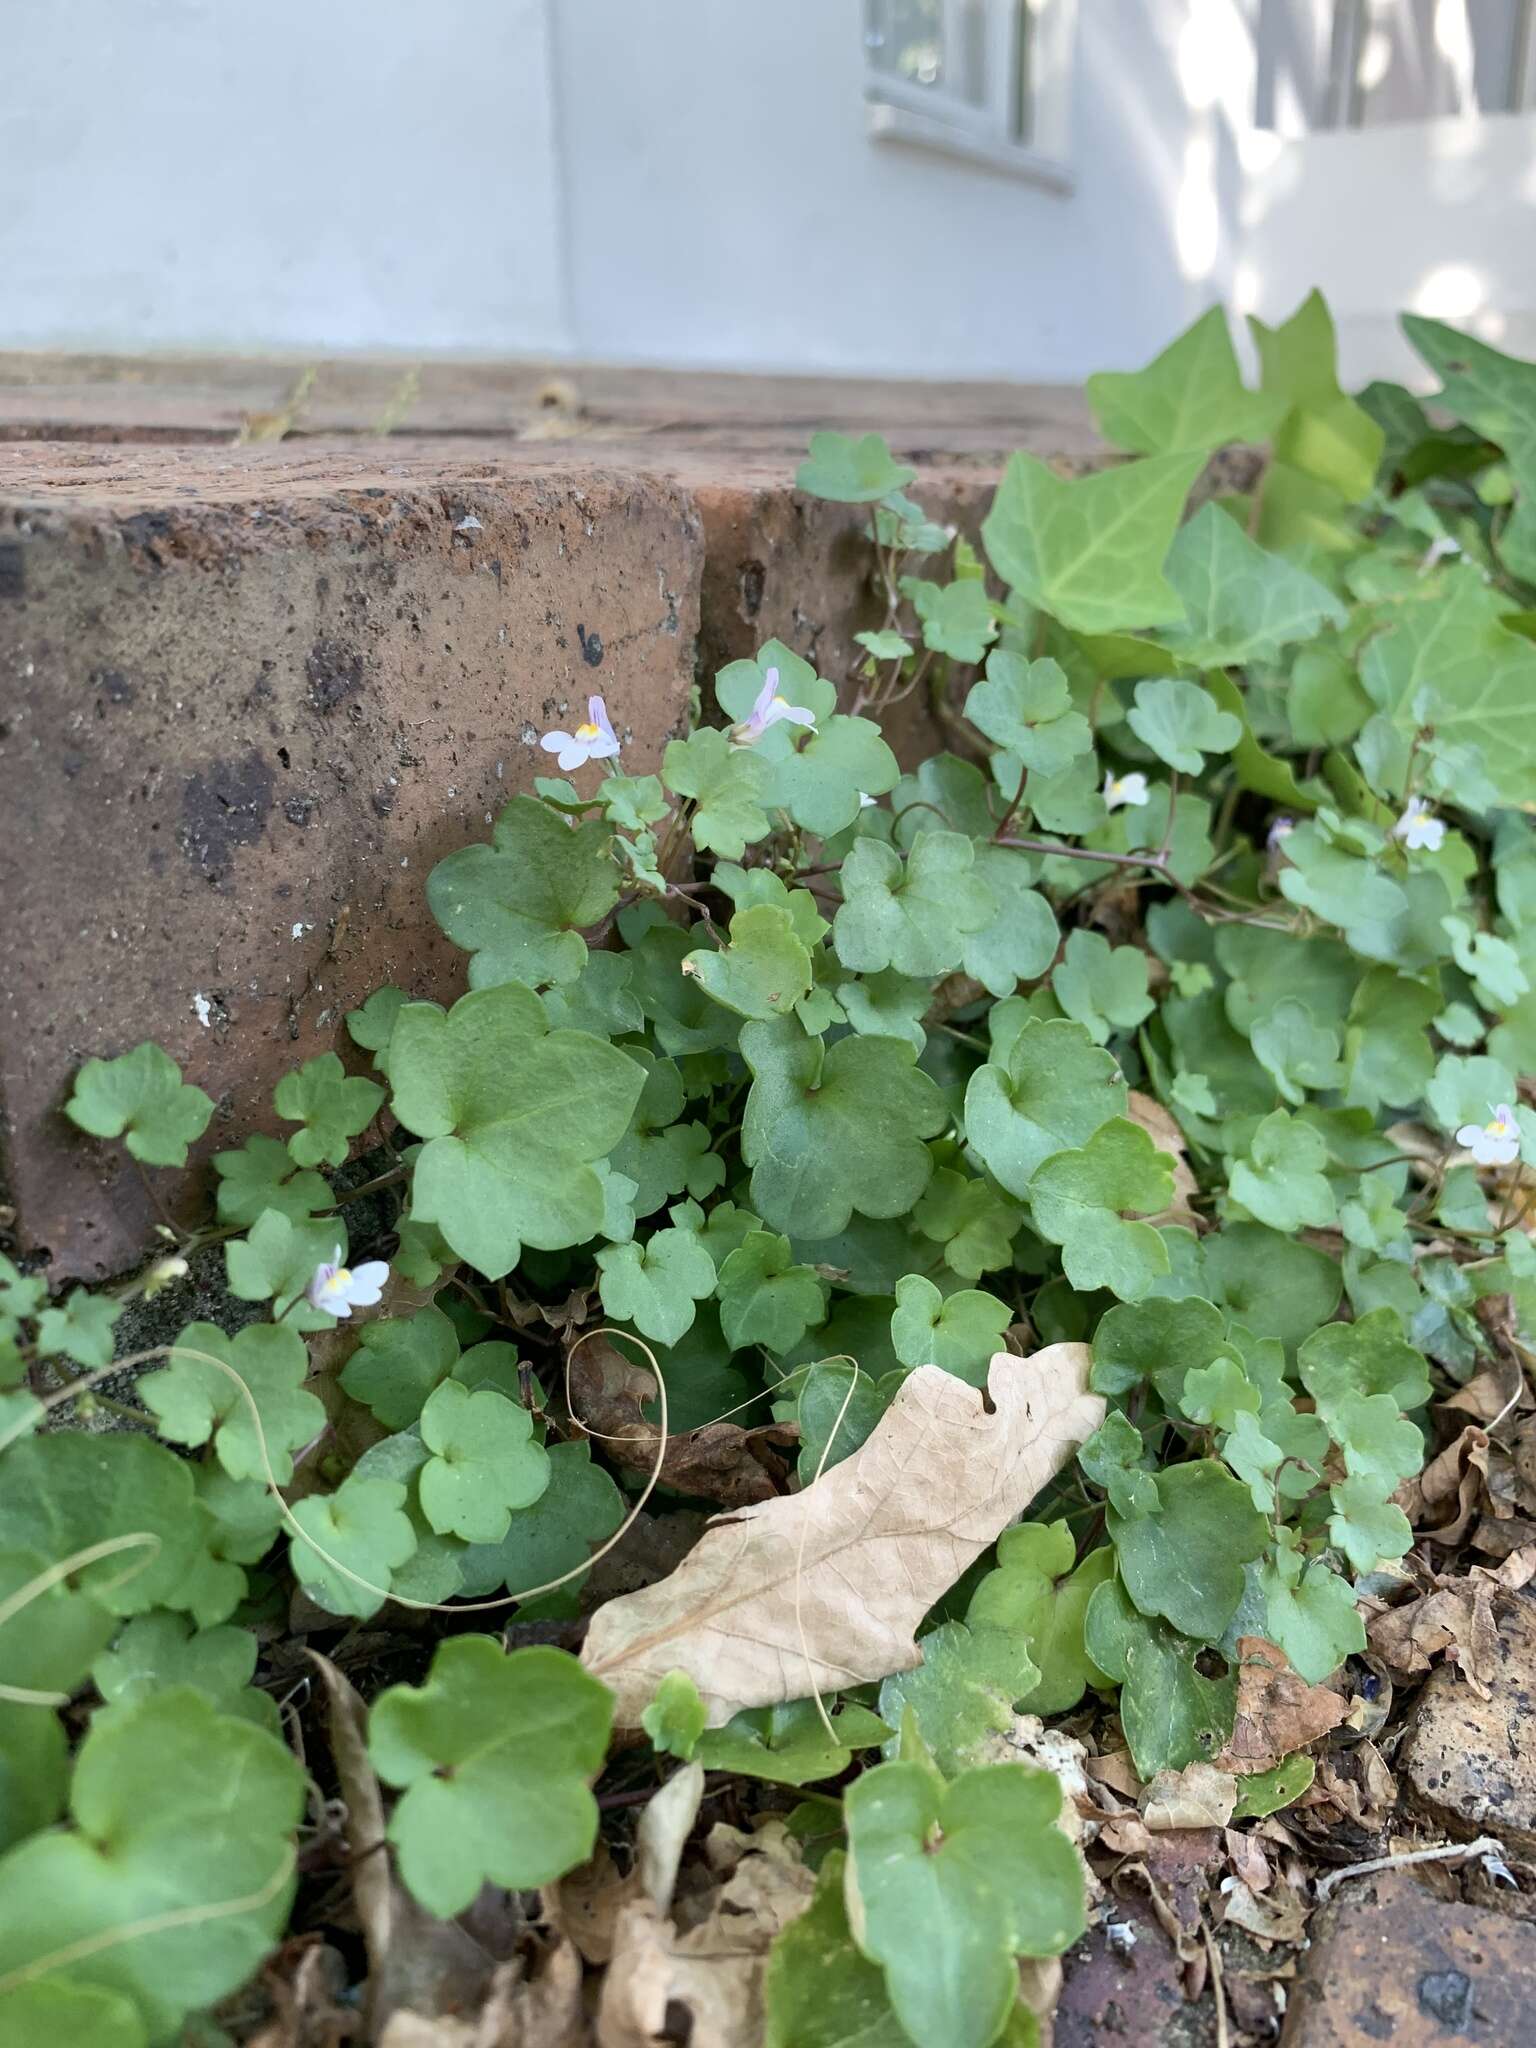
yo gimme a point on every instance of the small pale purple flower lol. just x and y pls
(1279, 832)
(770, 709)
(337, 1289)
(1496, 1143)
(1419, 827)
(594, 740)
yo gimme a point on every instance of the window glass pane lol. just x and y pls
(905, 39)
(1414, 59)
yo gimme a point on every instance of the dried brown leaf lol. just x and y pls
(1279, 1914)
(1446, 1497)
(1454, 1621)
(1165, 1134)
(721, 1462)
(1277, 1711)
(826, 1588)
(1198, 1796)
(523, 2009)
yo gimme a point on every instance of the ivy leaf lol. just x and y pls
(1026, 708)
(910, 914)
(655, 1285)
(788, 1744)
(1090, 551)
(261, 1174)
(953, 1882)
(959, 1333)
(34, 1775)
(513, 1116)
(1490, 963)
(599, 1000)
(1219, 1394)
(675, 1718)
(370, 1027)
(632, 801)
(48, 1644)
(81, 1329)
(1241, 603)
(885, 646)
(830, 1130)
(52, 2009)
(765, 1298)
(962, 1694)
(1102, 987)
(851, 472)
(1076, 1197)
(276, 1260)
(975, 1223)
(1189, 397)
(69, 1491)
(484, 1465)
(1115, 1458)
(156, 1651)
(884, 1005)
(1368, 1356)
(819, 782)
(518, 905)
(1050, 1094)
(1281, 1180)
(1171, 1714)
(364, 1526)
(836, 1407)
(739, 684)
(1379, 1442)
(1452, 663)
(141, 1098)
(1325, 435)
(1366, 1524)
(577, 1512)
(397, 1363)
(1311, 1614)
(1181, 723)
(1160, 1341)
(1495, 395)
(1019, 942)
(764, 970)
(1301, 1053)
(956, 617)
(494, 1755)
(146, 1843)
(331, 1105)
(729, 786)
(1036, 1596)
(1185, 1563)
(193, 1402)
(1275, 1286)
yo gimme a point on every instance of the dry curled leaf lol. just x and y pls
(1444, 1499)
(1455, 1621)
(702, 1983)
(826, 1588)
(538, 2008)
(1199, 1796)
(1277, 1711)
(721, 1462)
(1278, 1914)
(1167, 1137)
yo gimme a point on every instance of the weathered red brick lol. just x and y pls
(248, 698)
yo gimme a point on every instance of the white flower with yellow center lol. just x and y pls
(770, 709)
(1120, 790)
(337, 1289)
(1419, 827)
(594, 740)
(1495, 1143)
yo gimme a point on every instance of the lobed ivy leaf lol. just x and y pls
(1495, 395)
(789, 1744)
(155, 1651)
(484, 1462)
(261, 1174)
(1242, 604)
(911, 915)
(1090, 551)
(655, 1285)
(1115, 1458)
(68, 1492)
(1311, 1613)
(830, 1130)
(494, 1756)
(1102, 987)
(1325, 435)
(1050, 1093)
(276, 1260)
(973, 1220)
(851, 472)
(194, 1403)
(81, 1329)
(1181, 723)
(962, 1696)
(1076, 1199)
(952, 1883)
(363, 1526)
(765, 1298)
(675, 1718)
(765, 968)
(956, 617)
(1039, 1595)
(1301, 1053)
(820, 781)
(1185, 1562)
(1189, 397)
(517, 906)
(960, 1333)
(332, 1106)
(1026, 708)
(48, 1643)
(141, 1098)
(577, 1512)
(397, 1363)
(1280, 1179)
(729, 786)
(513, 1116)
(1171, 1713)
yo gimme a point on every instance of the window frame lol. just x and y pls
(930, 117)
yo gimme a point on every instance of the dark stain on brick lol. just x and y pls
(224, 807)
(754, 578)
(114, 686)
(591, 647)
(13, 573)
(335, 673)
(1446, 1995)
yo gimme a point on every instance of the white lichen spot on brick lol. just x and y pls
(203, 1010)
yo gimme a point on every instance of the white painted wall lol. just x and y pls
(336, 174)
(692, 182)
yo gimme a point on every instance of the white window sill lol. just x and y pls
(887, 123)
